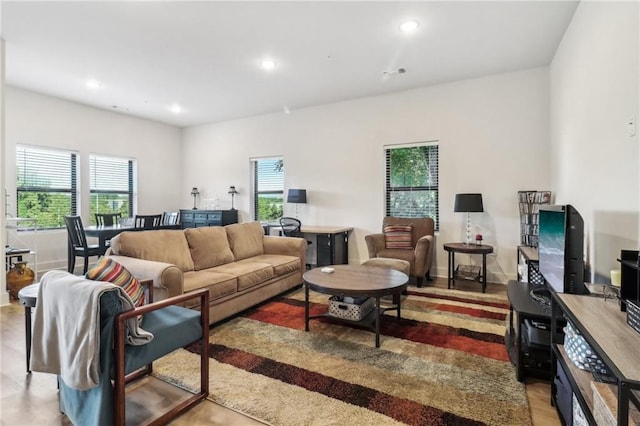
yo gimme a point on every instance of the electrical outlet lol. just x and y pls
(632, 127)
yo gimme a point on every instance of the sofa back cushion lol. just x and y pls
(209, 246)
(245, 239)
(169, 246)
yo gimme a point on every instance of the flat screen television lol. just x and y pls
(561, 248)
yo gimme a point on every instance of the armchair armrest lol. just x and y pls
(423, 255)
(375, 243)
(202, 293)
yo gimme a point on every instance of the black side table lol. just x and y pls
(529, 356)
(28, 297)
(454, 248)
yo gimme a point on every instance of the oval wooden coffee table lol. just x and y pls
(356, 281)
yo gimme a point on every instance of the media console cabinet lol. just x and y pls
(527, 340)
(605, 329)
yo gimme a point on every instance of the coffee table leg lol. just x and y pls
(399, 302)
(306, 307)
(377, 321)
(27, 334)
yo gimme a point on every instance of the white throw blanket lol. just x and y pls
(66, 329)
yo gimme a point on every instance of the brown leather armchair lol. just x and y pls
(420, 256)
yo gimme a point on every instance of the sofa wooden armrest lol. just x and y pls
(160, 347)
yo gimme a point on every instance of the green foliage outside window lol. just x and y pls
(270, 207)
(412, 182)
(49, 208)
(109, 203)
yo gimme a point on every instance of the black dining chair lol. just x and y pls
(107, 219)
(291, 228)
(151, 221)
(78, 246)
(170, 218)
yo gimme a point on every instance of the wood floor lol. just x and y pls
(32, 399)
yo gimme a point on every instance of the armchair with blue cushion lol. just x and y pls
(118, 361)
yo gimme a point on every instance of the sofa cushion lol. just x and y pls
(245, 239)
(168, 246)
(209, 246)
(249, 273)
(282, 264)
(219, 284)
(408, 255)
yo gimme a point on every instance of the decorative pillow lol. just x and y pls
(398, 236)
(111, 271)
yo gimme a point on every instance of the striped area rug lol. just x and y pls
(443, 363)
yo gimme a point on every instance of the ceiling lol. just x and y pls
(204, 56)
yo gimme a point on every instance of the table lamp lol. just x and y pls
(233, 192)
(195, 194)
(297, 196)
(468, 203)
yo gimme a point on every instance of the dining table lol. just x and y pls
(106, 232)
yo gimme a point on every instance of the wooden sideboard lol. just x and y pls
(196, 218)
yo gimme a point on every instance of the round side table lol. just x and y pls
(454, 248)
(28, 296)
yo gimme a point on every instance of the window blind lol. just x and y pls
(411, 183)
(268, 188)
(112, 186)
(47, 185)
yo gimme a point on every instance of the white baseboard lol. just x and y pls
(4, 298)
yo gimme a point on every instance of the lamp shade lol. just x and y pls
(297, 196)
(466, 203)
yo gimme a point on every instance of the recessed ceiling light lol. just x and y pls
(176, 109)
(267, 64)
(409, 26)
(92, 83)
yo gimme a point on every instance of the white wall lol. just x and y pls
(594, 93)
(493, 135)
(4, 296)
(40, 120)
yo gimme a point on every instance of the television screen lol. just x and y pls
(551, 247)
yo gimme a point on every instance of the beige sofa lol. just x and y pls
(238, 264)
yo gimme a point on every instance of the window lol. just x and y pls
(267, 188)
(412, 181)
(111, 185)
(47, 185)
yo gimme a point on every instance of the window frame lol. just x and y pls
(130, 192)
(53, 168)
(256, 192)
(389, 190)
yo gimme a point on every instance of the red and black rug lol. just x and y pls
(443, 363)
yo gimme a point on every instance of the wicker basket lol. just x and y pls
(351, 309)
(580, 352)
